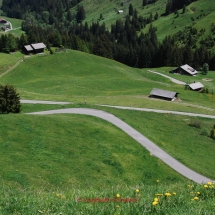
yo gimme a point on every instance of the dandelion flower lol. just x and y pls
(57, 194)
(174, 193)
(158, 181)
(210, 183)
(156, 200)
(167, 194)
(198, 193)
(117, 206)
(137, 191)
(205, 186)
(154, 203)
(117, 195)
(211, 186)
(196, 198)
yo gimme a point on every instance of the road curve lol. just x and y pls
(150, 146)
(166, 76)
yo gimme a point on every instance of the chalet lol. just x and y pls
(196, 86)
(185, 70)
(3, 21)
(36, 48)
(163, 94)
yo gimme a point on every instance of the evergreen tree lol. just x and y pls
(9, 99)
(131, 10)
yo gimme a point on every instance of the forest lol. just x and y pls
(53, 23)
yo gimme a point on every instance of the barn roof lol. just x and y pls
(38, 46)
(163, 93)
(189, 69)
(195, 86)
(28, 48)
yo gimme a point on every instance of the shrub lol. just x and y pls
(195, 123)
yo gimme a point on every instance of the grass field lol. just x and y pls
(74, 155)
(73, 151)
(99, 81)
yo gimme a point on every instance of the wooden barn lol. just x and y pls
(185, 70)
(196, 86)
(36, 48)
(163, 94)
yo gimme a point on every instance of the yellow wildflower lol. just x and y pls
(137, 191)
(57, 194)
(117, 195)
(205, 186)
(159, 194)
(158, 181)
(167, 194)
(198, 193)
(196, 198)
(156, 200)
(210, 183)
(154, 203)
(117, 206)
(174, 193)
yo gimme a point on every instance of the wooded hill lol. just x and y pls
(131, 39)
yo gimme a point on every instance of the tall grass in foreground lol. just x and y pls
(178, 198)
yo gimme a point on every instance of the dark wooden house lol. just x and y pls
(3, 21)
(163, 94)
(185, 70)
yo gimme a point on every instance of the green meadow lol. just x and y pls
(60, 158)
(98, 81)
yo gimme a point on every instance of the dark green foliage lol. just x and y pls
(205, 69)
(195, 123)
(80, 15)
(212, 135)
(9, 99)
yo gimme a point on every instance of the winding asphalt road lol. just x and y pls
(150, 146)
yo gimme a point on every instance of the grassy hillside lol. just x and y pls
(77, 76)
(72, 151)
(200, 14)
(8, 61)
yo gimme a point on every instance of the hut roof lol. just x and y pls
(195, 86)
(189, 69)
(163, 93)
(38, 46)
(28, 48)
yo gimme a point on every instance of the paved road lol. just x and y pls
(43, 102)
(161, 111)
(172, 79)
(150, 146)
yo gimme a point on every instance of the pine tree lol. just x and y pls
(9, 99)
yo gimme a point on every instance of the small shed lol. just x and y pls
(163, 94)
(196, 86)
(120, 11)
(36, 48)
(185, 70)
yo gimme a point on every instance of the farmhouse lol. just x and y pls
(36, 48)
(196, 86)
(163, 94)
(3, 21)
(185, 70)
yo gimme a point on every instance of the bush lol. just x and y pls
(195, 123)
(9, 99)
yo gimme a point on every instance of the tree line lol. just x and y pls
(122, 43)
